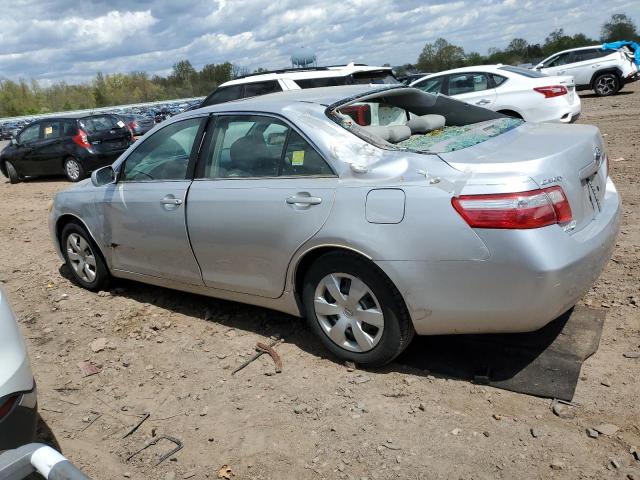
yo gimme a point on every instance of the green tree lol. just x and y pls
(100, 91)
(557, 41)
(518, 46)
(619, 27)
(440, 55)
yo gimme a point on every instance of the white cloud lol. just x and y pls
(67, 39)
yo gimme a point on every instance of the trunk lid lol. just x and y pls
(566, 80)
(106, 133)
(567, 155)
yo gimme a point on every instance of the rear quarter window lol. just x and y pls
(224, 94)
(256, 89)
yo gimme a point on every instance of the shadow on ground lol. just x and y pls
(593, 95)
(544, 363)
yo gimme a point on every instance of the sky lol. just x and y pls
(71, 40)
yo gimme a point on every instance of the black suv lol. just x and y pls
(73, 145)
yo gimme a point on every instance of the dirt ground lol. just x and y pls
(171, 354)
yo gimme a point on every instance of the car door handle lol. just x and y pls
(303, 200)
(171, 201)
(484, 101)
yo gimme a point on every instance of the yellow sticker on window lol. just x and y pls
(48, 130)
(298, 158)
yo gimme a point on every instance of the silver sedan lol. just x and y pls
(376, 213)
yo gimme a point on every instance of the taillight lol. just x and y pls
(133, 125)
(522, 210)
(7, 405)
(81, 139)
(605, 159)
(552, 91)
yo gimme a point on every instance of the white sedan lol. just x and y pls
(514, 91)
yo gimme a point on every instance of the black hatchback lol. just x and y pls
(73, 145)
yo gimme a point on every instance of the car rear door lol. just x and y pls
(144, 212)
(107, 134)
(261, 191)
(472, 87)
(50, 152)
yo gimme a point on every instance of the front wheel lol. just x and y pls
(355, 310)
(606, 84)
(83, 258)
(12, 173)
(73, 169)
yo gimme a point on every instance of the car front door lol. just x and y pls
(144, 212)
(27, 142)
(431, 85)
(261, 191)
(472, 87)
(559, 64)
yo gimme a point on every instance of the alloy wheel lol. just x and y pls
(81, 257)
(348, 312)
(606, 85)
(73, 169)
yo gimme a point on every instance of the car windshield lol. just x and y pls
(522, 71)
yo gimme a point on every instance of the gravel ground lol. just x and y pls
(171, 354)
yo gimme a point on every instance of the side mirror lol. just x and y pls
(538, 67)
(103, 176)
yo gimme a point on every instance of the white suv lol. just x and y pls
(603, 71)
(297, 78)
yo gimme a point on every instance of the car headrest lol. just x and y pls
(382, 132)
(398, 133)
(391, 134)
(425, 123)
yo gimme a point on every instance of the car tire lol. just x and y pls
(83, 257)
(12, 173)
(347, 333)
(74, 170)
(606, 84)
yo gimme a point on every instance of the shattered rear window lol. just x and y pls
(449, 139)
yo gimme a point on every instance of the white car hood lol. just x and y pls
(15, 370)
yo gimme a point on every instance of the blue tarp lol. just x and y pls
(625, 43)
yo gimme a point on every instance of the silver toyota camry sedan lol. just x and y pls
(375, 213)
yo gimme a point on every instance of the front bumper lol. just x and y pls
(18, 427)
(531, 277)
(632, 78)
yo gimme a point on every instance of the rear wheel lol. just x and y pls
(83, 258)
(606, 84)
(12, 173)
(73, 169)
(355, 310)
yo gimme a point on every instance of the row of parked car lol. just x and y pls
(547, 93)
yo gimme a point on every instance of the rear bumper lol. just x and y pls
(18, 427)
(531, 277)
